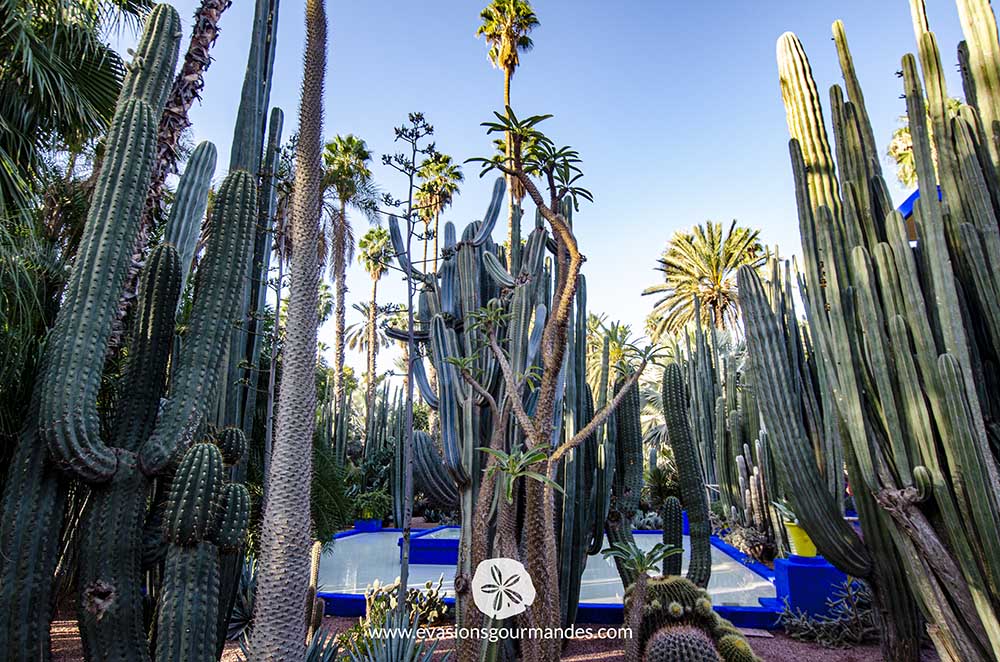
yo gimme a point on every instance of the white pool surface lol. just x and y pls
(356, 561)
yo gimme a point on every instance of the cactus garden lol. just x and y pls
(413, 379)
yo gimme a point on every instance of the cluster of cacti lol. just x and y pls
(473, 275)
(675, 620)
(146, 441)
(903, 336)
(679, 625)
(204, 515)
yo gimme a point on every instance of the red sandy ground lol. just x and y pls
(776, 648)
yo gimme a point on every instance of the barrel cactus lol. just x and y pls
(679, 625)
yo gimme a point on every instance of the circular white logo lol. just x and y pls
(502, 588)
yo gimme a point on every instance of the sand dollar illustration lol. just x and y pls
(502, 588)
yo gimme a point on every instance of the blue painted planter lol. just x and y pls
(806, 583)
(425, 550)
(368, 525)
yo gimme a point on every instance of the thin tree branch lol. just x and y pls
(598, 418)
(478, 388)
(508, 374)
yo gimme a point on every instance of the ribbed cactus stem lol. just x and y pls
(979, 25)
(673, 533)
(804, 114)
(188, 208)
(219, 288)
(692, 485)
(75, 352)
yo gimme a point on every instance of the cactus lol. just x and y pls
(625, 433)
(428, 469)
(188, 208)
(902, 331)
(679, 624)
(673, 527)
(314, 604)
(232, 444)
(692, 485)
(202, 515)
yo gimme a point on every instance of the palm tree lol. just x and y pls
(619, 340)
(900, 148)
(356, 335)
(702, 263)
(286, 536)
(505, 26)
(440, 179)
(59, 83)
(347, 182)
(376, 251)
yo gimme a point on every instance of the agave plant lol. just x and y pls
(399, 644)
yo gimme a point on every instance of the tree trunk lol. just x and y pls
(512, 182)
(340, 305)
(633, 650)
(279, 617)
(372, 355)
(437, 217)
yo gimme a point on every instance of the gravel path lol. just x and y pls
(776, 648)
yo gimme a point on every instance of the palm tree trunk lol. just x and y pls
(279, 619)
(372, 354)
(437, 217)
(512, 198)
(340, 305)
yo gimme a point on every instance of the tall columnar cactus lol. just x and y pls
(901, 337)
(473, 274)
(625, 432)
(673, 528)
(188, 208)
(145, 443)
(63, 411)
(692, 485)
(110, 569)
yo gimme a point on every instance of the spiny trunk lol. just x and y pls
(279, 618)
(340, 307)
(633, 652)
(539, 546)
(372, 355)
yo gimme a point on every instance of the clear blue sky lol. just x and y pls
(674, 107)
